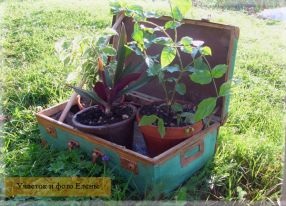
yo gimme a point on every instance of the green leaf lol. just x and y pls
(134, 47)
(161, 127)
(172, 24)
(128, 51)
(148, 39)
(177, 15)
(219, 70)
(120, 54)
(167, 56)
(199, 64)
(181, 88)
(206, 51)
(147, 120)
(224, 89)
(136, 11)
(189, 117)
(195, 52)
(88, 52)
(150, 14)
(154, 70)
(186, 41)
(163, 41)
(182, 5)
(131, 69)
(101, 41)
(147, 29)
(172, 69)
(190, 69)
(187, 49)
(138, 34)
(109, 51)
(205, 108)
(136, 85)
(176, 107)
(115, 7)
(201, 77)
(108, 79)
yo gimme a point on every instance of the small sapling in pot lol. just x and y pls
(165, 124)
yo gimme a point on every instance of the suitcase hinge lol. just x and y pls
(129, 165)
(73, 144)
(95, 155)
(51, 131)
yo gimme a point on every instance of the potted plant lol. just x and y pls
(82, 54)
(169, 122)
(109, 118)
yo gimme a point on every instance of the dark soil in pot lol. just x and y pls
(162, 111)
(174, 133)
(117, 127)
(96, 117)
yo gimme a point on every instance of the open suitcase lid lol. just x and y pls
(222, 39)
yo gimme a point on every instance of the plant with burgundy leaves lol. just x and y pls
(147, 33)
(115, 79)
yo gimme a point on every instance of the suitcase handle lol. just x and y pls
(188, 158)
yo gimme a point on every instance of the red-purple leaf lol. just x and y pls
(124, 81)
(100, 89)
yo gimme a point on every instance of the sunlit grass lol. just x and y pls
(247, 164)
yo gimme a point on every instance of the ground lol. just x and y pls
(248, 162)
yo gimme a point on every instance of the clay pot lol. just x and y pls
(120, 133)
(174, 135)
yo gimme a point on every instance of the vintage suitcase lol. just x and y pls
(170, 169)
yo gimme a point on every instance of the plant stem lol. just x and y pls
(170, 100)
(213, 81)
(107, 110)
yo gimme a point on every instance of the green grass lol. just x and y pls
(240, 4)
(248, 162)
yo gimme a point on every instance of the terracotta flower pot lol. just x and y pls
(174, 135)
(120, 133)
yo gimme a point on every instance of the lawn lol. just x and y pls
(248, 163)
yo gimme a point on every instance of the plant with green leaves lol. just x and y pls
(147, 33)
(115, 79)
(83, 53)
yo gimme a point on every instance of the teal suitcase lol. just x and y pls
(171, 168)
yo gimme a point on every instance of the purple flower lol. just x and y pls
(105, 158)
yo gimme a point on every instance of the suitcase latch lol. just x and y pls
(129, 165)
